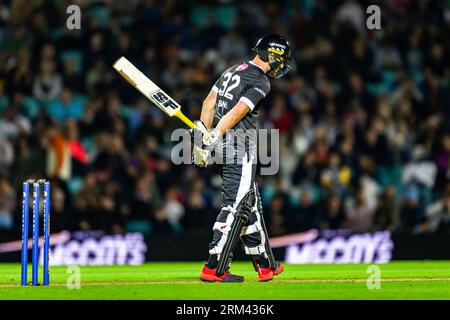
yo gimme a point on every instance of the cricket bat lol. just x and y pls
(150, 90)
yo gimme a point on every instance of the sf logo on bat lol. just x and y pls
(164, 100)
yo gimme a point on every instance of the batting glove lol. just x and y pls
(204, 143)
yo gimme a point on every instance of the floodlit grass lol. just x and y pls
(179, 280)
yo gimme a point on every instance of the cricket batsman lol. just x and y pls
(227, 131)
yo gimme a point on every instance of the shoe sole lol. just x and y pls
(212, 278)
(265, 280)
(275, 272)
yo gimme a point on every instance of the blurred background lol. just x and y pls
(363, 120)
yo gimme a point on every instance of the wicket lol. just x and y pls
(35, 231)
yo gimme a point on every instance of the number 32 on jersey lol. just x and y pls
(228, 87)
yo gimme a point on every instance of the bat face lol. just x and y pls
(164, 100)
(150, 90)
(147, 87)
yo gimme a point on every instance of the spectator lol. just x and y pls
(361, 107)
(173, 210)
(59, 161)
(359, 212)
(7, 203)
(437, 215)
(386, 215)
(20, 77)
(196, 207)
(14, 124)
(71, 77)
(353, 13)
(304, 216)
(232, 46)
(409, 210)
(277, 224)
(336, 177)
(66, 107)
(47, 84)
(6, 156)
(334, 215)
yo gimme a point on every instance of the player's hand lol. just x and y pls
(200, 154)
(204, 143)
(203, 138)
(200, 157)
(211, 139)
(198, 133)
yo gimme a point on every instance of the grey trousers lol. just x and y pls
(238, 179)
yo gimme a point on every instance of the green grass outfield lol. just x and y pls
(179, 280)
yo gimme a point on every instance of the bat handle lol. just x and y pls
(185, 119)
(189, 123)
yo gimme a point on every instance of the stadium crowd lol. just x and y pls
(363, 119)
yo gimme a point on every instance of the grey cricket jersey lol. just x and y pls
(248, 83)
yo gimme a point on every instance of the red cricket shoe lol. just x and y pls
(209, 275)
(278, 269)
(264, 274)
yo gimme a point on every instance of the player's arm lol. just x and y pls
(228, 121)
(232, 117)
(246, 103)
(208, 109)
